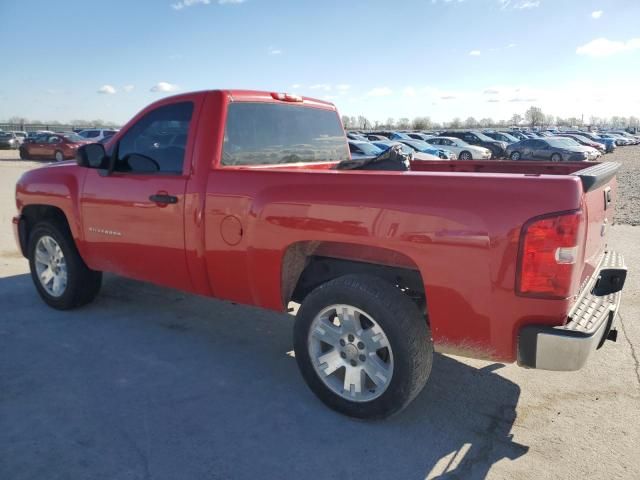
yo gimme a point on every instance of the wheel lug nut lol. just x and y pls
(342, 342)
(362, 358)
(353, 363)
(361, 345)
(343, 355)
(351, 338)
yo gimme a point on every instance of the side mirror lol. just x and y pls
(92, 155)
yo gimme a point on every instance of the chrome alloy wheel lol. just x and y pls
(51, 266)
(350, 353)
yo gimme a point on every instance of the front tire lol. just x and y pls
(363, 347)
(556, 157)
(60, 275)
(23, 155)
(516, 156)
(465, 155)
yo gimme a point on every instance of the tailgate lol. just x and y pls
(599, 186)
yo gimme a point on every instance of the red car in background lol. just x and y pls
(584, 141)
(57, 146)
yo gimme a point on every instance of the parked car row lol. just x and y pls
(45, 144)
(513, 144)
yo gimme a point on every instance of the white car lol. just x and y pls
(97, 134)
(462, 149)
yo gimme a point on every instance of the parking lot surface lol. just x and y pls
(151, 383)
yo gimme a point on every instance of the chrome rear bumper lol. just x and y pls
(590, 322)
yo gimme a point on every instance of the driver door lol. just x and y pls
(133, 219)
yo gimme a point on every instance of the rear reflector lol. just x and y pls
(549, 254)
(286, 97)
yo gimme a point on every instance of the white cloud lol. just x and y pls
(189, 3)
(603, 47)
(409, 92)
(164, 87)
(597, 14)
(379, 92)
(491, 91)
(321, 86)
(527, 4)
(274, 51)
(519, 4)
(296, 85)
(512, 45)
(448, 97)
(343, 87)
(107, 90)
(474, 53)
(128, 88)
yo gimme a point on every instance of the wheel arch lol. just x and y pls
(31, 215)
(308, 264)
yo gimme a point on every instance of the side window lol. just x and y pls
(157, 142)
(469, 137)
(53, 139)
(92, 133)
(352, 148)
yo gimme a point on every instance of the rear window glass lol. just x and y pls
(270, 134)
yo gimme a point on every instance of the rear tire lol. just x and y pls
(58, 156)
(80, 285)
(23, 155)
(556, 157)
(387, 348)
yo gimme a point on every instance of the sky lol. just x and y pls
(86, 59)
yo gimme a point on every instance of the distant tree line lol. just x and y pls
(533, 117)
(17, 120)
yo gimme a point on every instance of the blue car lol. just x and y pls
(399, 136)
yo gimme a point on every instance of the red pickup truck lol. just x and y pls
(236, 195)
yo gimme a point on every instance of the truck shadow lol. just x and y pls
(152, 383)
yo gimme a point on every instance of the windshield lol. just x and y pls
(72, 137)
(369, 149)
(483, 137)
(403, 136)
(580, 138)
(570, 141)
(509, 138)
(5, 135)
(421, 146)
(560, 142)
(405, 148)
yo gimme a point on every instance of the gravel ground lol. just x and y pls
(628, 203)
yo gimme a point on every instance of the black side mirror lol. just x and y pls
(92, 155)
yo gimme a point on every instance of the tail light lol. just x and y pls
(549, 255)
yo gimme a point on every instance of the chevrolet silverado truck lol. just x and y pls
(239, 195)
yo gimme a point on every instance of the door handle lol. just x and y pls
(163, 198)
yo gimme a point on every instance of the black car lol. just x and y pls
(554, 149)
(474, 137)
